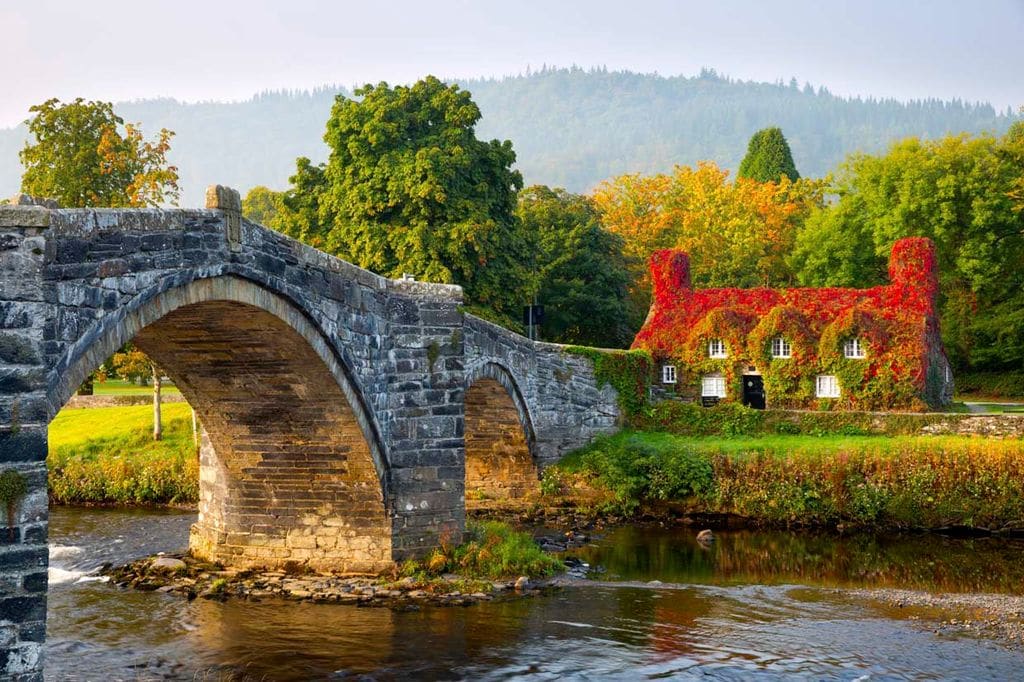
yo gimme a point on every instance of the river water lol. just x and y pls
(756, 605)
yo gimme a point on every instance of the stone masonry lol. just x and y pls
(333, 401)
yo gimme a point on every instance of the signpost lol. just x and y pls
(533, 316)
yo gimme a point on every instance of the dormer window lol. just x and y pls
(668, 374)
(716, 348)
(781, 348)
(853, 348)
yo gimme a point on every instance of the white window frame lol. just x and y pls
(854, 349)
(716, 349)
(781, 348)
(827, 386)
(668, 374)
(712, 386)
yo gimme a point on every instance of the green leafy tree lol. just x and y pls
(264, 206)
(578, 271)
(85, 155)
(408, 188)
(959, 191)
(768, 158)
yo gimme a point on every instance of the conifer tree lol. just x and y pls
(768, 157)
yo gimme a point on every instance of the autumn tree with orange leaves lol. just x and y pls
(738, 233)
(86, 155)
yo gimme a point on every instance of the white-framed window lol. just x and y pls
(668, 374)
(827, 386)
(716, 348)
(781, 348)
(712, 386)
(853, 348)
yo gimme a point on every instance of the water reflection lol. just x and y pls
(719, 630)
(928, 562)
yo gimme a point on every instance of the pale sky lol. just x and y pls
(129, 49)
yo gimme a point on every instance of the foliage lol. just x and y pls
(132, 364)
(991, 384)
(815, 322)
(264, 206)
(492, 550)
(733, 419)
(13, 487)
(768, 158)
(577, 270)
(628, 372)
(726, 324)
(736, 233)
(786, 380)
(957, 190)
(408, 188)
(107, 456)
(904, 482)
(81, 157)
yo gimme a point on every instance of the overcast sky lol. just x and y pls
(128, 49)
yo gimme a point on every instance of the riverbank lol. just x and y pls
(898, 482)
(107, 456)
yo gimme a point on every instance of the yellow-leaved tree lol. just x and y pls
(738, 233)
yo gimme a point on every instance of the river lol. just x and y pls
(755, 605)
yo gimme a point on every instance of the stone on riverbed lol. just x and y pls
(167, 564)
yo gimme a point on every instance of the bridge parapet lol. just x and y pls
(565, 405)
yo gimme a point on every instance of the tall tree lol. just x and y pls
(768, 158)
(86, 155)
(408, 188)
(737, 233)
(959, 191)
(577, 269)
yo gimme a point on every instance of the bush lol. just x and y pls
(898, 482)
(492, 550)
(108, 456)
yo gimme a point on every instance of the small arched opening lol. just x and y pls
(500, 466)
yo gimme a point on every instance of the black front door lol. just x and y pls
(753, 391)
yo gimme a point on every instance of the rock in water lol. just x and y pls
(522, 583)
(168, 564)
(705, 537)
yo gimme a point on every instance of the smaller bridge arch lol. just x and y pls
(501, 463)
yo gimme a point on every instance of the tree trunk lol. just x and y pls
(158, 429)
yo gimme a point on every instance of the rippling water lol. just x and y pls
(753, 609)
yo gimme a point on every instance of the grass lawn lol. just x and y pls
(119, 387)
(108, 455)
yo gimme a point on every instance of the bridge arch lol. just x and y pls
(292, 466)
(501, 463)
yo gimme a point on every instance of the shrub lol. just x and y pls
(492, 550)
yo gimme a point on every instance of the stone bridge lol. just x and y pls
(345, 415)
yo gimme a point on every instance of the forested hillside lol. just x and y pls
(569, 127)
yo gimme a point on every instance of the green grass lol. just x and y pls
(492, 550)
(119, 387)
(108, 456)
(900, 481)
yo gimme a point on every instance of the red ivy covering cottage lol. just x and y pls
(899, 361)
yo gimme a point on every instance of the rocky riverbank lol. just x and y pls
(999, 616)
(192, 579)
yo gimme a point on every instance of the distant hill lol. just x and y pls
(570, 127)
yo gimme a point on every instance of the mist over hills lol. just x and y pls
(571, 128)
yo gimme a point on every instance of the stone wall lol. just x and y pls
(104, 400)
(561, 405)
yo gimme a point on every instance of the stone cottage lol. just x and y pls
(808, 348)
